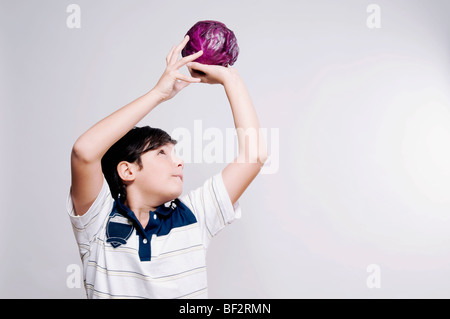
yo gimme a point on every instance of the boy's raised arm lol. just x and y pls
(90, 147)
(238, 174)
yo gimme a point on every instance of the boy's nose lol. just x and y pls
(178, 162)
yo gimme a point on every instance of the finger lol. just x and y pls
(186, 78)
(198, 66)
(198, 74)
(188, 59)
(169, 56)
(178, 49)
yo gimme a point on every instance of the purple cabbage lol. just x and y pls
(218, 43)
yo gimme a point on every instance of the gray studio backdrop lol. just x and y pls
(354, 97)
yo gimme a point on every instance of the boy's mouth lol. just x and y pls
(180, 176)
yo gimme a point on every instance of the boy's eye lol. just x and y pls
(161, 152)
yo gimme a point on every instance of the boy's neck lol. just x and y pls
(140, 209)
(142, 214)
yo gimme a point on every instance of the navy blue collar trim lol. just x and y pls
(161, 222)
(161, 210)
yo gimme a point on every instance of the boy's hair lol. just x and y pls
(130, 147)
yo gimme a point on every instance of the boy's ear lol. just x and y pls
(126, 171)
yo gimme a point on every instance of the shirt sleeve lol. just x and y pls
(87, 226)
(212, 207)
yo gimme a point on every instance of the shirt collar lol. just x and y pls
(163, 210)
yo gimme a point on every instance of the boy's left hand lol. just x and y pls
(211, 74)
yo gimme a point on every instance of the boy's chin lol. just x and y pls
(178, 194)
(175, 193)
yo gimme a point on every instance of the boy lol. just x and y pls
(136, 238)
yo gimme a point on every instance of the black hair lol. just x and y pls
(130, 147)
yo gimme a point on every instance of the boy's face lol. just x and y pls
(161, 176)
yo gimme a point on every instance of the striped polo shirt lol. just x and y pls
(167, 259)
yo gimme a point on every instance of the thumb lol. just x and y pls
(198, 66)
(199, 71)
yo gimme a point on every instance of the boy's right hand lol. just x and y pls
(172, 81)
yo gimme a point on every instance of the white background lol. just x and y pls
(363, 116)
